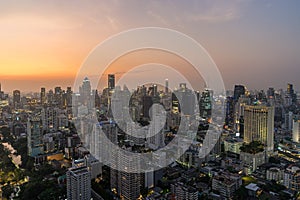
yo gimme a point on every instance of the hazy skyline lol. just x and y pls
(255, 43)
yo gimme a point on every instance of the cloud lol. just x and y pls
(204, 11)
(158, 17)
(118, 15)
(218, 12)
(113, 22)
(215, 13)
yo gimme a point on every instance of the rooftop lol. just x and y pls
(252, 186)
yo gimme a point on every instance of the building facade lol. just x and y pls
(78, 184)
(296, 130)
(291, 177)
(259, 125)
(35, 136)
(226, 184)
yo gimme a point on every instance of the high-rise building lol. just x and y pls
(16, 98)
(58, 96)
(290, 89)
(111, 130)
(167, 86)
(93, 165)
(97, 99)
(291, 93)
(175, 104)
(111, 81)
(79, 183)
(206, 104)
(288, 121)
(153, 90)
(147, 102)
(271, 93)
(50, 117)
(1, 93)
(66, 98)
(124, 183)
(296, 130)
(156, 128)
(184, 100)
(35, 136)
(259, 125)
(239, 111)
(50, 97)
(85, 91)
(43, 96)
(239, 90)
(229, 111)
(134, 134)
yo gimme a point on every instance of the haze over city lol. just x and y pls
(255, 43)
(149, 100)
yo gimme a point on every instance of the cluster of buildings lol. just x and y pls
(66, 126)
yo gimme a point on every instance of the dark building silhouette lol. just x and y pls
(16, 98)
(238, 91)
(205, 104)
(271, 93)
(291, 93)
(43, 96)
(229, 111)
(111, 81)
(146, 105)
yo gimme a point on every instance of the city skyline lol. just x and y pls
(253, 43)
(155, 100)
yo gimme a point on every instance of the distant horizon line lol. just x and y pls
(101, 89)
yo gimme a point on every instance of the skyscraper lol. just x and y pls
(296, 130)
(43, 96)
(58, 96)
(205, 104)
(69, 96)
(16, 98)
(1, 92)
(290, 89)
(111, 81)
(156, 129)
(35, 136)
(259, 125)
(167, 86)
(85, 91)
(147, 102)
(78, 183)
(229, 111)
(291, 93)
(238, 91)
(124, 183)
(271, 93)
(184, 100)
(239, 111)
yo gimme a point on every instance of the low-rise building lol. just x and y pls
(184, 192)
(233, 145)
(253, 190)
(291, 178)
(226, 184)
(274, 173)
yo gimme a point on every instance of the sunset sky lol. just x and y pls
(253, 42)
